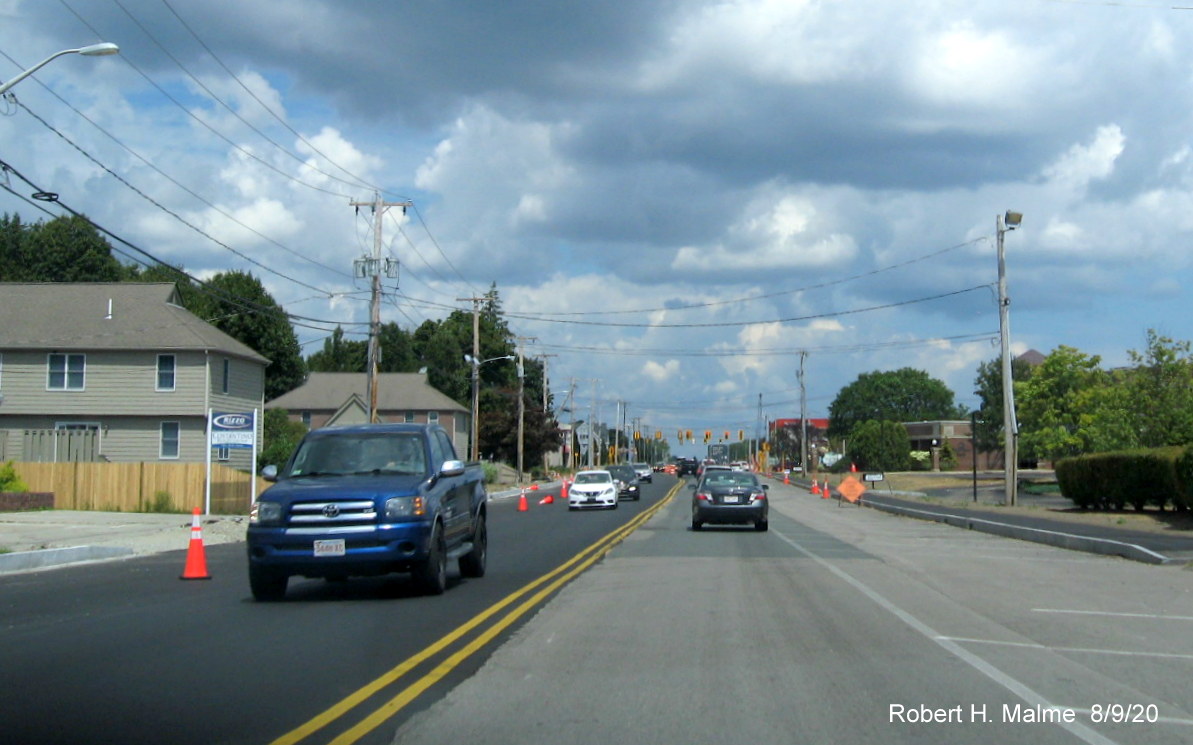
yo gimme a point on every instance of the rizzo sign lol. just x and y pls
(231, 430)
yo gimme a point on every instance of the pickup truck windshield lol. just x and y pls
(342, 454)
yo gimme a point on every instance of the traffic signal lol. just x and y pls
(707, 435)
(741, 435)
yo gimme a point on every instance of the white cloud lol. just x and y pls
(661, 373)
(1085, 163)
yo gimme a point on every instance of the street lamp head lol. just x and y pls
(1012, 219)
(99, 50)
(103, 48)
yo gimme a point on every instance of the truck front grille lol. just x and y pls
(333, 514)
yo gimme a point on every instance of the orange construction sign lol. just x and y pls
(851, 489)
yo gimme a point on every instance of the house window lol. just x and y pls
(409, 417)
(433, 417)
(77, 426)
(66, 372)
(223, 454)
(165, 372)
(1, 371)
(169, 444)
(227, 378)
(306, 419)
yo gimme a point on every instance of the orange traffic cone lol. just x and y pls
(853, 468)
(522, 506)
(827, 493)
(786, 477)
(549, 499)
(563, 490)
(196, 557)
(815, 487)
(534, 487)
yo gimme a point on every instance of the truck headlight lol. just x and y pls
(398, 507)
(265, 513)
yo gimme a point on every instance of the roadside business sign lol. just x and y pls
(233, 430)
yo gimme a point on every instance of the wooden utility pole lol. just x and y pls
(522, 401)
(476, 368)
(372, 267)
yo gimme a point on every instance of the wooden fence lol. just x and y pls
(140, 487)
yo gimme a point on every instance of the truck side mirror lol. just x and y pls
(270, 473)
(452, 468)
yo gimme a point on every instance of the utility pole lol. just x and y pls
(367, 267)
(522, 401)
(546, 405)
(1010, 424)
(476, 365)
(803, 416)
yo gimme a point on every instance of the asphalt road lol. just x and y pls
(125, 652)
(838, 625)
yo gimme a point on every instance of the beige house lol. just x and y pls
(124, 366)
(328, 399)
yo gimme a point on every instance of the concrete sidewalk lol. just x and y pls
(43, 539)
(48, 538)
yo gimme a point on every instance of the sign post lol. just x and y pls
(234, 431)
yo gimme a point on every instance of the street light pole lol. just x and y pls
(1010, 424)
(95, 50)
(476, 369)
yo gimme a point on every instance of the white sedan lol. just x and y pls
(593, 489)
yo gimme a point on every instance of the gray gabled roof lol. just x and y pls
(107, 316)
(395, 392)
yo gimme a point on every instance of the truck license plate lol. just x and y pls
(333, 547)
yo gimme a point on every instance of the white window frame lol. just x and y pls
(223, 454)
(306, 419)
(78, 425)
(226, 378)
(409, 417)
(161, 440)
(433, 417)
(66, 371)
(157, 383)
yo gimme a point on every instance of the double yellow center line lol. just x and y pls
(534, 593)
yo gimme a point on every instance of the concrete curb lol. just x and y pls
(1072, 542)
(22, 561)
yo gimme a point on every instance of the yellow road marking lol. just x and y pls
(581, 561)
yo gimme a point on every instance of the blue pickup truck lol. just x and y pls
(368, 500)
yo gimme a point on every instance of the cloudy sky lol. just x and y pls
(675, 198)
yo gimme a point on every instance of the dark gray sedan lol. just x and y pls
(627, 482)
(729, 497)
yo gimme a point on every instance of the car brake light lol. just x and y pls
(705, 496)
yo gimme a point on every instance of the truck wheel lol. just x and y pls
(431, 574)
(472, 564)
(267, 584)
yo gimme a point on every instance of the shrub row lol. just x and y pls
(1157, 477)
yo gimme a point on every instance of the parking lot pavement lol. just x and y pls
(47, 538)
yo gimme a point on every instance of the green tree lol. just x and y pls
(279, 437)
(1159, 392)
(340, 354)
(880, 446)
(65, 249)
(904, 395)
(1059, 405)
(989, 392)
(238, 304)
